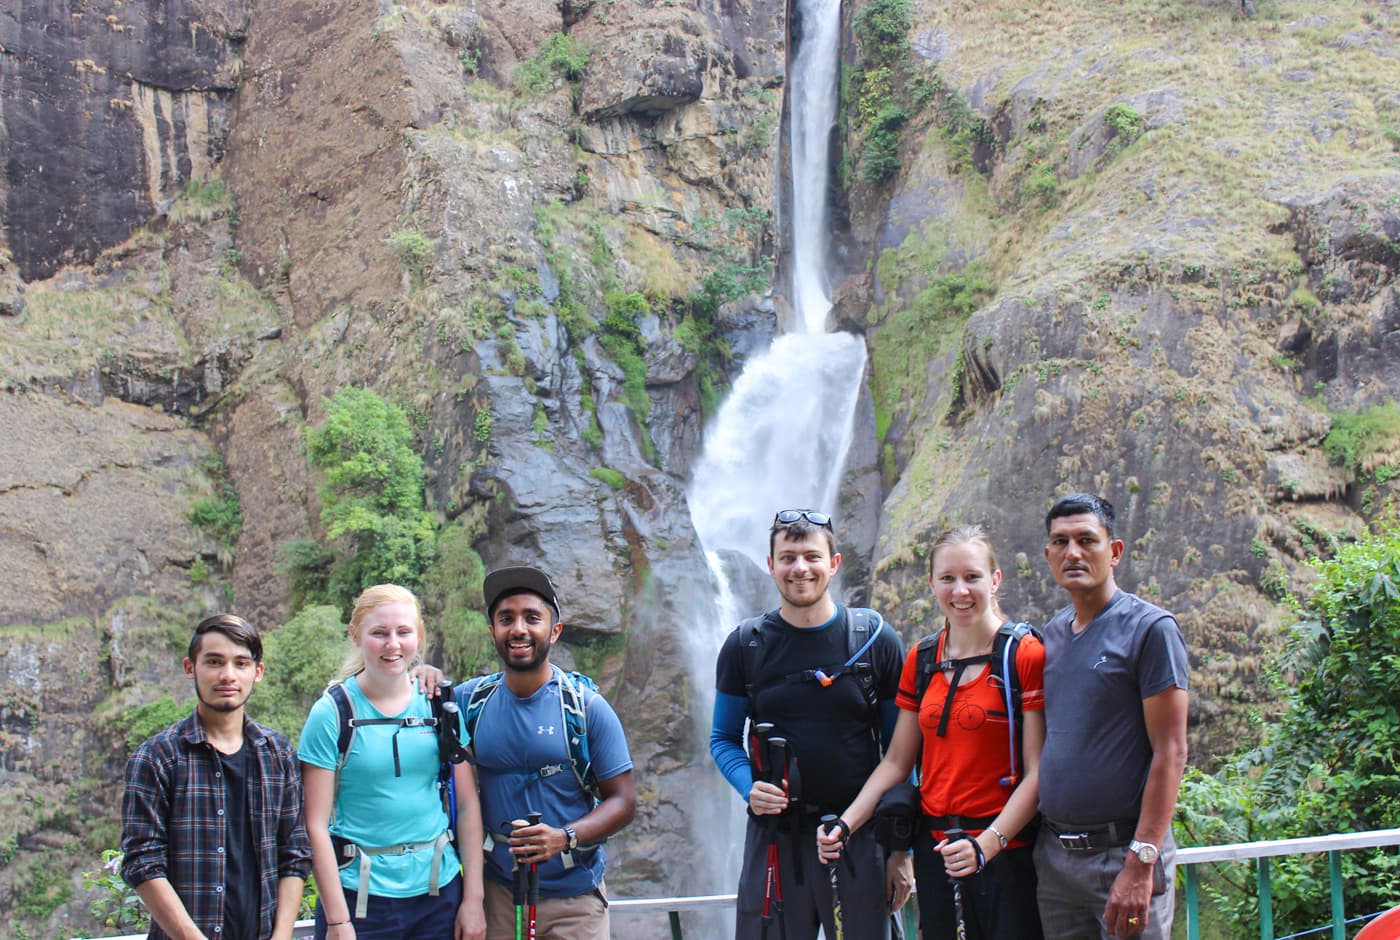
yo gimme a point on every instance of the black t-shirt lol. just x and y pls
(242, 895)
(828, 728)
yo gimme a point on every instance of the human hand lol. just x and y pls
(960, 856)
(534, 844)
(1129, 900)
(426, 678)
(899, 875)
(831, 841)
(470, 923)
(767, 799)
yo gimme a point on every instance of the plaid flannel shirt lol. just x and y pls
(173, 827)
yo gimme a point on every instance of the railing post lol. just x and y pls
(1193, 908)
(675, 924)
(1339, 917)
(1266, 901)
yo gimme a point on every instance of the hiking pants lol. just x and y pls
(1073, 889)
(865, 909)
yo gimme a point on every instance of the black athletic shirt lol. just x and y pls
(241, 893)
(828, 728)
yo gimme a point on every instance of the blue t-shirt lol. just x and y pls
(515, 739)
(373, 807)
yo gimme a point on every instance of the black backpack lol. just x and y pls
(1002, 660)
(863, 625)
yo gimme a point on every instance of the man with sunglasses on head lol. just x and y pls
(821, 678)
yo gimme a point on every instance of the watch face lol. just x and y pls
(1146, 852)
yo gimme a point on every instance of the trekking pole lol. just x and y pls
(777, 768)
(955, 835)
(758, 748)
(532, 892)
(518, 891)
(829, 822)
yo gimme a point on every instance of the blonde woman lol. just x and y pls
(972, 776)
(382, 852)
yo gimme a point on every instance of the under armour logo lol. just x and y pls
(1102, 660)
(542, 729)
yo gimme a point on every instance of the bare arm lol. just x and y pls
(168, 910)
(289, 892)
(471, 915)
(319, 784)
(536, 844)
(1165, 715)
(894, 768)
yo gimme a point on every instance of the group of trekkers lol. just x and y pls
(1024, 779)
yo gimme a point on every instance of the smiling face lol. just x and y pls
(965, 583)
(388, 638)
(224, 673)
(802, 568)
(523, 630)
(1081, 554)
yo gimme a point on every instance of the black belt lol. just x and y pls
(944, 823)
(1092, 838)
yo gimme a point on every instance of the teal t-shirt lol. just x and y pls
(373, 807)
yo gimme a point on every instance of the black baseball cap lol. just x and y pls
(504, 581)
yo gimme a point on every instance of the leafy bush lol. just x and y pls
(146, 719)
(219, 516)
(117, 906)
(609, 476)
(1355, 437)
(1329, 763)
(415, 252)
(453, 604)
(880, 159)
(1124, 121)
(560, 56)
(371, 491)
(302, 657)
(883, 30)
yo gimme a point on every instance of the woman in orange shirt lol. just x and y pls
(971, 776)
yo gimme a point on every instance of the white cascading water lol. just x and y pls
(780, 439)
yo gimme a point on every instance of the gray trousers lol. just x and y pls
(1072, 889)
(865, 909)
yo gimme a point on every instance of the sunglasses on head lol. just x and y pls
(789, 516)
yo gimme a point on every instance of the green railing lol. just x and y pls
(1188, 860)
(1191, 859)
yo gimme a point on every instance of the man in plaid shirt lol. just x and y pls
(213, 836)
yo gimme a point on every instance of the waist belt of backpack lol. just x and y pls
(566, 856)
(347, 850)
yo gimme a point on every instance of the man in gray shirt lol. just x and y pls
(1115, 745)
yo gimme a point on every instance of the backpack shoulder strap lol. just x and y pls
(926, 664)
(1003, 666)
(863, 627)
(575, 689)
(471, 714)
(345, 711)
(751, 659)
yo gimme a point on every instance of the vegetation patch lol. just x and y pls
(219, 516)
(609, 476)
(1356, 440)
(560, 57)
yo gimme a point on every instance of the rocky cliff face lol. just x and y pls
(1151, 253)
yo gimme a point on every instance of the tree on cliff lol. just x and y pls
(1329, 762)
(371, 490)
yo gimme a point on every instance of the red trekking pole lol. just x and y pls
(532, 891)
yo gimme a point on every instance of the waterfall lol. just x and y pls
(780, 439)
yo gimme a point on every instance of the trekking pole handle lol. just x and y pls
(777, 751)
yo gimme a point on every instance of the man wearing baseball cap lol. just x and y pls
(544, 742)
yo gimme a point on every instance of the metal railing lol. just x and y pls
(1190, 859)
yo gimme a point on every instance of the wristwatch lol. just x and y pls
(1145, 851)
(573, 839)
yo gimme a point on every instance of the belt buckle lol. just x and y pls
(1075, 841)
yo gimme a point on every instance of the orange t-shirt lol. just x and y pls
(961, 772)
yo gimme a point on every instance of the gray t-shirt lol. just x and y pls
(1097, 753)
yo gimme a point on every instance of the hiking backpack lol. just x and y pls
(863, 625)
(1002, 661)
(575, 689)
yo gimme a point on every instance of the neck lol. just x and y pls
(971, 639)
(812, 616)
(375, 685)
(1088, 604)
(224, 728)
(523, 684)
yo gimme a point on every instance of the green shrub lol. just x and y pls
(1123, 120)
(146, 719)
(880, 159)
(302, 656)
(883, 30)
(371, 490)
(415, 252)
(453, 604)
(560, 56)
(609, 476)
(1355, 437)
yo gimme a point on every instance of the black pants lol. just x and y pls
(998, 903)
